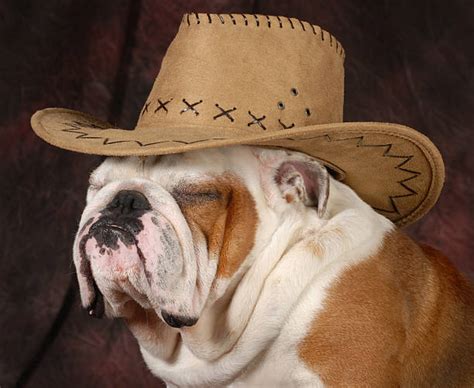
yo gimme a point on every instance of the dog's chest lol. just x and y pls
(282, 364)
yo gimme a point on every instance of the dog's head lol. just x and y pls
(171, 233)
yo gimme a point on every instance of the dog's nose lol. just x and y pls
(129, 201)
(177, 321)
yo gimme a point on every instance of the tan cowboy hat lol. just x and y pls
(268, 81)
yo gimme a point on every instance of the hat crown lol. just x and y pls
(251, 72)
(263, 81)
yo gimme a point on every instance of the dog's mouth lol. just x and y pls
(110, 236)
(109, 233)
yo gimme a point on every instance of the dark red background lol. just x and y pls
(407, 61)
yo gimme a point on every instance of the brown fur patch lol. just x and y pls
(404, 317)
(225, 215)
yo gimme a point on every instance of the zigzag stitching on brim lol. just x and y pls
(386, 154)
(84, 136)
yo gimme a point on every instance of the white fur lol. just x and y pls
(279, 289)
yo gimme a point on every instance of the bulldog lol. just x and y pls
(247, 266)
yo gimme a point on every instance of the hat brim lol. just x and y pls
(394, 168)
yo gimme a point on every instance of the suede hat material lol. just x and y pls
(272, 81)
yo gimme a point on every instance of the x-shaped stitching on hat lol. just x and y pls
(225, 113)
(145, 108)
(190, 107)
(257, 120)
(162, 105)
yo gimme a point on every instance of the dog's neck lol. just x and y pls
(351, 231)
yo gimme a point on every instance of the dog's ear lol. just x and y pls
(306, 181)
(294, 176)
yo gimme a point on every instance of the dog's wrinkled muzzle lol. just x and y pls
(131, 251)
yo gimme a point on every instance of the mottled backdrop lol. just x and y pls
(407, 61)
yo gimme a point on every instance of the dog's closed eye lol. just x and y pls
(95, 183)
(193, 196)
(94, 186)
